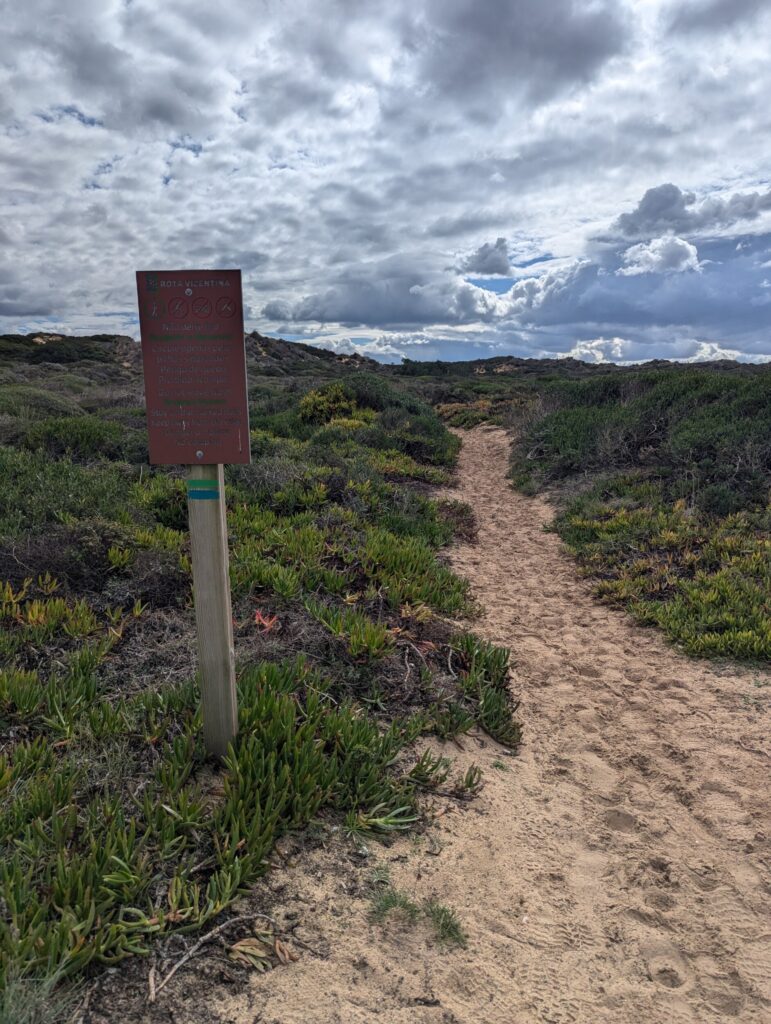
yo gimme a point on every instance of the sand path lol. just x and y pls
(619, 871)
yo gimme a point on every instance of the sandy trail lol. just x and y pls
(619, 871)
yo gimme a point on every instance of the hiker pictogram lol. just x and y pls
(226, 306)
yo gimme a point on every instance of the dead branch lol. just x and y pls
(155, 989)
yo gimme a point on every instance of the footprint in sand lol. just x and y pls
(620, 821)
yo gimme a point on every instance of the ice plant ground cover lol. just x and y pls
(114, 830)
(661, 475)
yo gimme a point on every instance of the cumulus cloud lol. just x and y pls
(668, 254)
(344, 155)
(628, 350)
(666, 207)
(601, 350)
(489, 258)
(408, 289)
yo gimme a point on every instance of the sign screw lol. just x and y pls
(199, 455)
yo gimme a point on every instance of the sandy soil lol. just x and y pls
(618, 870)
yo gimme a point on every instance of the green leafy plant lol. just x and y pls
(450, 719)
(469, 783)
(119, 558)
(324, 404)
(430, 770)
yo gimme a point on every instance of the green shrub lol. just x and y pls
(84, 878)
(30, 402)
(685, 455)
(698, 428)
(324, 404)
(704, 579)
(82, 437)
(38, 491)
(70, 350)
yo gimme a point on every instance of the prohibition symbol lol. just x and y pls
(177, 308)
(201, 307)
(225, 306)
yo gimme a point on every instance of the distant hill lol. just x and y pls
(567, 367)
(104, 370)
(280, 358)
(272, 355)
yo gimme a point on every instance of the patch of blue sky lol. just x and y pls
(535, 259)
(69, 110)
(188, 143)
(298, 337)
(492, 284)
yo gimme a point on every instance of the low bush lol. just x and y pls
(82, 437)
(324, 404)
(28, 402)
(39, 491)
(705, 580)
(92, 874)
(677, 526)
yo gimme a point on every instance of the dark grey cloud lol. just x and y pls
(728, 299)
(473, 53)
(667, 208)
(449, 225)
(364, 162)
(398, 292)
(489, 258)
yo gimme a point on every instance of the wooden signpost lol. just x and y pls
(192, 329)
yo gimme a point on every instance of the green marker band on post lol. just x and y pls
(202, 490)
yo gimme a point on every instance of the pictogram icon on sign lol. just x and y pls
(155, 308)
(225, 306)
(177, 308)
(201, 307)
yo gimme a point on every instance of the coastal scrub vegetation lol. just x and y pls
(114, 829)
(673, 517)
(661, 477)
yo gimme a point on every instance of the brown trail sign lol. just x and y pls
(192, 328)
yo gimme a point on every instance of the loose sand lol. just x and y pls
(618, 871)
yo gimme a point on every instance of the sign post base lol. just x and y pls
(213, 616)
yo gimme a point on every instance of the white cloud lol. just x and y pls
(668, 254)
(358, 160)
(600, 350)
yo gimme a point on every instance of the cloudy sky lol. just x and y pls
(430, 178)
